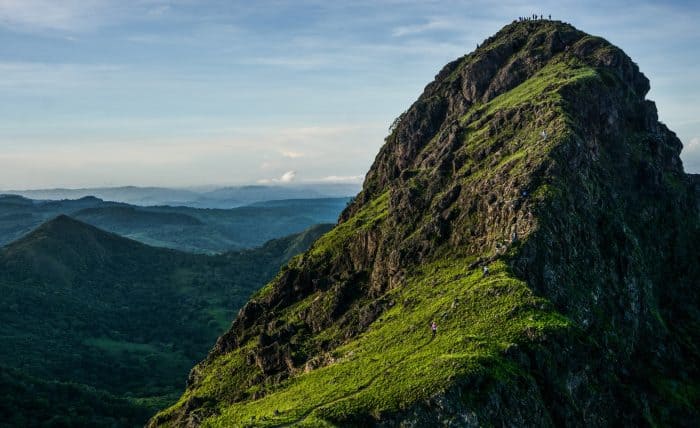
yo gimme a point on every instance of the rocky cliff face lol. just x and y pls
(538, 157)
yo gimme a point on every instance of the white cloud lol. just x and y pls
(343, 179)
(305, 62)
(28, 76)
(266, 165)
(693, 146)
(288, 177)
(291, 154)
(72, 16)
(431, 24)
(159, 10)
(691, 156)
(67, 15)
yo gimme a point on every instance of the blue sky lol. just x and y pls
(180, 93)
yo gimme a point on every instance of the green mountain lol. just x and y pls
(538, 158)
(93, 309)
(181, 228)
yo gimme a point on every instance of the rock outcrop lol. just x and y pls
(537, 157)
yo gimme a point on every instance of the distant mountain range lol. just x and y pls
(183, 228)
(100, 329)
(223, 197)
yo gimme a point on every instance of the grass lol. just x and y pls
(396, 362)
(544, 86)
(367, 218)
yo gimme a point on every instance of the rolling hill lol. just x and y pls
(117, 318)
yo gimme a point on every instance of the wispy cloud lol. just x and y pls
(429, 25)
(25, 75)
(691, 155)
(76, 16)
(286, 178)
(304, 62)
(291, 154)
(693, 146)
(342, 179)
(67, 15)
(159, 10)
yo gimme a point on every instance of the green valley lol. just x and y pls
(113, 323)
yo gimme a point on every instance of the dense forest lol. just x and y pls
(113, 323)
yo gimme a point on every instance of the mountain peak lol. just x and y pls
(63, 226)
(64, 244)
(550, 56)
(532, 206)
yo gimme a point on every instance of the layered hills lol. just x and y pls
(100, 329)
(181, 228)
(201, 197)
(532, 206)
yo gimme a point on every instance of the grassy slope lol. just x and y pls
(395, 363)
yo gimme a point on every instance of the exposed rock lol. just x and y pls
(538, 155)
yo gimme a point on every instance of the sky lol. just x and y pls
(188, 93)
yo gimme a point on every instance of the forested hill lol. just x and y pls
(86, 307)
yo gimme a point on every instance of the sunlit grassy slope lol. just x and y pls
(398, 362)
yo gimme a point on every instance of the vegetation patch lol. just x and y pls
(397, 361)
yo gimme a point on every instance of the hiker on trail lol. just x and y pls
(514, 237)
(433, 328)
(486, 270)
(550, 16)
